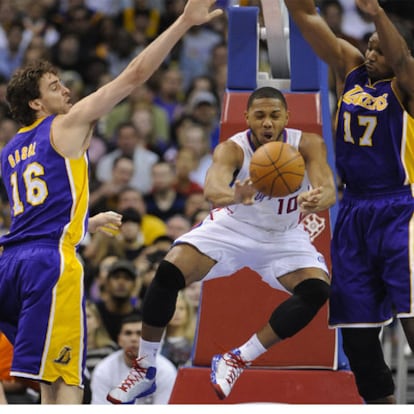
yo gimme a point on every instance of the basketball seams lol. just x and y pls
(268, 169)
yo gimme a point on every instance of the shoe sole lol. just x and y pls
(215, 360)
(149, 391)
(219, 391)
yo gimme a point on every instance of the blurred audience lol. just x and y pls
(152, 226)
(130, 143)
(164, 201)
(178, 341)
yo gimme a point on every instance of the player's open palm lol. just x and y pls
(198, 12)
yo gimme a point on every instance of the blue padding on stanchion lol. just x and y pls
(242, 48)
(303, 62)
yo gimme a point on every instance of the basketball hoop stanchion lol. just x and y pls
(308, 368)
(276, 34)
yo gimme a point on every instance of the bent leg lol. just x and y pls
(310, 290)
(182, 265)
(295, 313)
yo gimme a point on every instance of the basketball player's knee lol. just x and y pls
(160, 299)
(314, 292)
(296, 312)
(372, 375)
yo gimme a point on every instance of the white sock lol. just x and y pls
(252, 349)
(149, 351)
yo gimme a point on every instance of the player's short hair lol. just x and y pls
(24, 87)
(266, 92)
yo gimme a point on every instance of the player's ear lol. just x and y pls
(287, 116)
(35, 104)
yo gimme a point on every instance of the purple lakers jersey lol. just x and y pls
(48, 194)
(372, 130)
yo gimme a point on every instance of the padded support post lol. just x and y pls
(303, 63)
(242, 48)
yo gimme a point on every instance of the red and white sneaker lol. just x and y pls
(225, 370)
(140, 382)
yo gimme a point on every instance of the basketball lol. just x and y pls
(277, 169)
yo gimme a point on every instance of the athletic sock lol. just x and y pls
(252, 349)
(149, 351)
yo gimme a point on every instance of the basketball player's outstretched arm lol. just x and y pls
(72, 130)
(323, 194)
(227, 158)
(395, 50)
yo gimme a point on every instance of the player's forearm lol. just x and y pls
(393, 45)
(219, 196)
(142, 66)
(301, 6)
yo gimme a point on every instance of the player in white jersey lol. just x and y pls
(244, 221)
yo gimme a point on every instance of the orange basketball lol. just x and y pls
(277, 169)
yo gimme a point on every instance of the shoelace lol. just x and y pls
(237, 363)
(136, 373)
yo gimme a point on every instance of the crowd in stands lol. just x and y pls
(148, 159)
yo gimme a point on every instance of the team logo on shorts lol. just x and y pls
(314, 225)
(64, 356)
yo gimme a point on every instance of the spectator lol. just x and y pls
(205, 108)
(119, 300)
(99, 345)
(195, 202)
(333, 13)
(199, 215)
(186, 161)
(168, 96)
(8, 128)
(36, 24)
(105, 197)
(96, 288)
(11, 56)
(179, 333)
(192, 292)
(195, 52)
(143, 117)
(142, 95)
(131, 238)
(196, 138)
(177, 225)
(122, 48)
(111, 370)
(152, 226)
(66, 54)
(130, 143)
(164, 201)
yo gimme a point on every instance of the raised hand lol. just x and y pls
(370, 7)
(197, 12)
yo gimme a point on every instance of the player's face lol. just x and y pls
(375, 62)
(54, 96)
(267, 118)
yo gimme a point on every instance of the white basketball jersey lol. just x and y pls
(277, 213)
